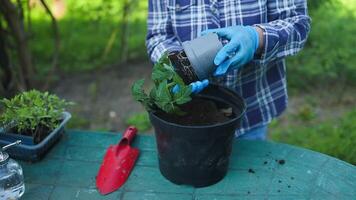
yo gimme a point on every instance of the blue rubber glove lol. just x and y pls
(197, 86)
(242, 45)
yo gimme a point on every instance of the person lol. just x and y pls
(260, 34)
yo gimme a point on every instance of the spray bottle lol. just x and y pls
(12, 184)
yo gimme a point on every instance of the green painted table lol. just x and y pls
(257, 171)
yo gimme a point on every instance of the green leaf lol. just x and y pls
(163, 94)
(162, 72)
(168, 68)
(158, 74)
(183, 95)
(153, 93)
(137, 90)
(178, 80)
(160, 96)
(139, 94)
(164, 59)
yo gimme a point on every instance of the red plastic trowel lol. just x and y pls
(117, 164)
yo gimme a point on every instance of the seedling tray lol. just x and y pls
(27, 150)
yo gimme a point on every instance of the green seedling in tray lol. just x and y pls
(32, 111)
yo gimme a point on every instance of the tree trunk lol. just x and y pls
(6, 77)
(16, 26)
(124, 32)
(56, 41)
(124, 38)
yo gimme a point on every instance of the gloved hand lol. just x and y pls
(197, 86)
(243, 43)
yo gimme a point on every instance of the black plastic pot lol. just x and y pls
(198, 155)
(27, 150)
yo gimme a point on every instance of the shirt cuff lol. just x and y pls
(271, 43)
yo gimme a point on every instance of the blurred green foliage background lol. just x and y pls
(329, 55)
(90, 34)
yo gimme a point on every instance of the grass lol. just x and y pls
(335, 137)
(140, 121)
(329, 54)
(78, 122)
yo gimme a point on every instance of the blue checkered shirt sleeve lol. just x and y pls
(160, 37)
(286, 31)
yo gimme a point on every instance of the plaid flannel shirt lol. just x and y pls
(262, 82)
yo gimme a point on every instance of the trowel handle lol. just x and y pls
(130, 133)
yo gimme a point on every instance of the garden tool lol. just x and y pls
(117, 164)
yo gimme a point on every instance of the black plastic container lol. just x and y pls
(27, 150)
(198, 155)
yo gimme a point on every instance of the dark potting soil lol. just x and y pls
(281, 162)
(200, 112)
(39, 134)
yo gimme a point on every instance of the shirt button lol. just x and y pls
(215, 11)
(177, 7)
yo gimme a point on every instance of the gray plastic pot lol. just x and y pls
(201, 53)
